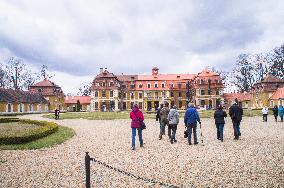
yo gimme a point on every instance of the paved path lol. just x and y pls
(254, 161)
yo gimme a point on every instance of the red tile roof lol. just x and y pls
(207, 73)
(45, 83)
(164, 77)
(272, 79)
(18, 96)
(74, 99)
(239, 96)
(279, 94)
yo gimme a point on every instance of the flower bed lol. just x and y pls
(43, 129)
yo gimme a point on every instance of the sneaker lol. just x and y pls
(160, 137)
(132, 148)
(195, 143)
(141, 145)
(190, 143)
(175, 140)
(222, 140)
(172, 141)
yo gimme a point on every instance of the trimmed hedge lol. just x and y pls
(45, 128)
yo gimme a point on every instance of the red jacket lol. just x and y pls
(137, 116)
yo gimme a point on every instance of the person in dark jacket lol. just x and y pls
(56, 114)
(275, 112)
(236, 113)
(191, 118)
(158, 117)
(164, 121)
(137, 117)
(219, 117)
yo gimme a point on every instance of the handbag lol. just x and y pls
(142, 124)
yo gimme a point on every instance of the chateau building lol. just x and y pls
(111, 92)
(51, 92)
(17, 101)
(263, 90)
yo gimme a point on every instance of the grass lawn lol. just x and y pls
(125, 115)
(63, 134)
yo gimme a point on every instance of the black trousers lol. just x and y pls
(264, 116)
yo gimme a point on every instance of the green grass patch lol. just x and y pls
(147, 115)
(61, 135)
(2, 161)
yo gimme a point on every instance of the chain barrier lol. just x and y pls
(147, 180)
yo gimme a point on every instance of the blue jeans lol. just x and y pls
(192, 128)
(220, 131)
(162, 128)
(139, 135)
(237, 131)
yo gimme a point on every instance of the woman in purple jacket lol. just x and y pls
(137, 117)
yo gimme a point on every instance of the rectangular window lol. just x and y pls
(132, 86)
(103, 84)
(131, 105)
(111, 84)
(172, 94)
(140, 95)
(140, 105)
(140, 86)
(132, 96)
(124, 95)
(111, 93)
(103, 93)
(202, 92)
(179, 85)
(156, 85)
(163, 85)
(96, 105)
(179, 94)
(156, 95)
(148, 85)
(149, 94)
(96, 94)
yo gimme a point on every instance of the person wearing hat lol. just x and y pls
(137, 117)
(236, 113)
(191, 118)
(173, 118)
(219, 117)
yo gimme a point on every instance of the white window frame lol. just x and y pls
(156, 85)
(7, 109)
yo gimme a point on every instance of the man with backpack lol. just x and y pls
(164, 121)
(236, 113)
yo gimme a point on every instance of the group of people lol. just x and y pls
(277, 111)
(170, 118)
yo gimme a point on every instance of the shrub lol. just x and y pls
(45, 128)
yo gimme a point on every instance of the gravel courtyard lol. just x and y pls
(256, 160)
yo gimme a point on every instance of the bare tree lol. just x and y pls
(277, 62)
(242, 75)
(18, 76)
(2, 77)
(85, 89)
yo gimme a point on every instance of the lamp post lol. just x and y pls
(209, 93)
(188, 92)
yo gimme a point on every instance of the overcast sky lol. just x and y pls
(75, 38)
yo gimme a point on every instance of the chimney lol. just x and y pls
(101, 70)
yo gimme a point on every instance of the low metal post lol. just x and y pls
(88, 172)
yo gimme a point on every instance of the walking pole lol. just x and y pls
(202, 139)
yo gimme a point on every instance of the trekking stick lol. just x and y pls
(202, 138)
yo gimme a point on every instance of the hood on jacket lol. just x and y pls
(135, 109)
